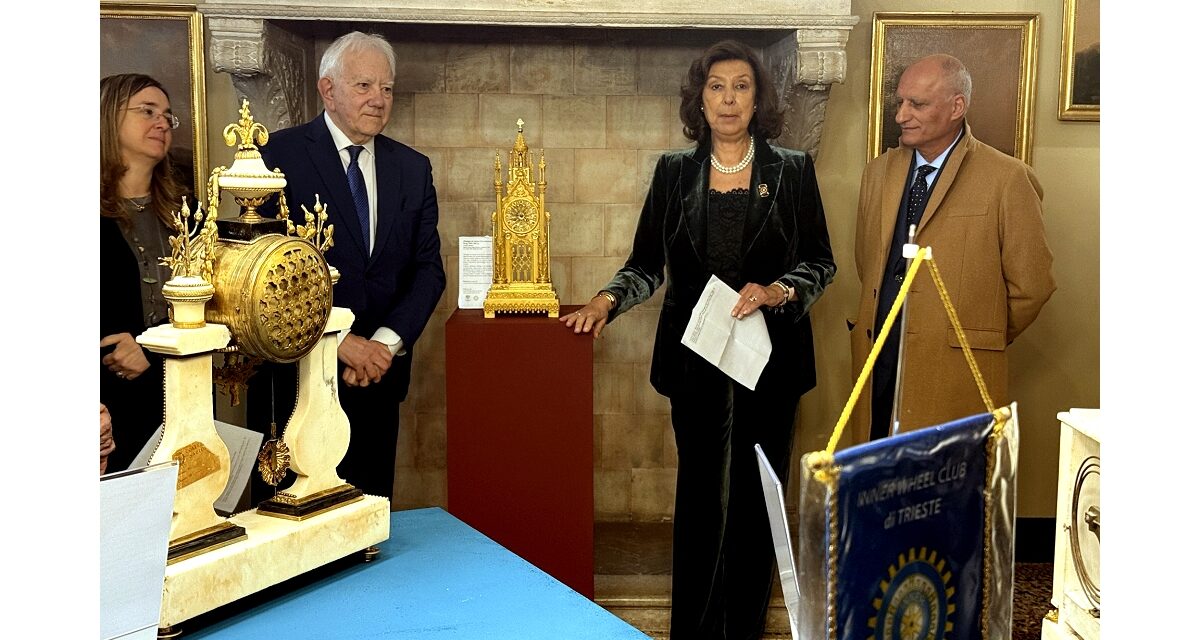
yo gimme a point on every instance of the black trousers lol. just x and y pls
(883, 383)
(374, 413)
(136, 408)
(723, 562)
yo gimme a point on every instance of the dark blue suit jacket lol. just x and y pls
(399, 284)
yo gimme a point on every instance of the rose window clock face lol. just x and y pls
(521, 216)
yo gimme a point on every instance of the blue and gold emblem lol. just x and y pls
(916, 599)
(908, 525)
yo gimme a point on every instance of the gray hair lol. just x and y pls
(331, 61)
(958, 79)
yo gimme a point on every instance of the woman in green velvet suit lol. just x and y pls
(750, 213)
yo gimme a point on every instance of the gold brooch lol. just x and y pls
(762, 191)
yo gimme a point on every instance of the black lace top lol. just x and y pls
(726, 225)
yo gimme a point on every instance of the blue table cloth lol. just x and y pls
(435, 578)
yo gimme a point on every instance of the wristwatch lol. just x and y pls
(612, 298)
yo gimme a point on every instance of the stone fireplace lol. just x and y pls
(597, 84)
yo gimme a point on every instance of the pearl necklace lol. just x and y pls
(746, 159)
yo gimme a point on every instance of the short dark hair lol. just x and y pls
(768, 115)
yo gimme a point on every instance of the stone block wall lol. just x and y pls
(603, 107)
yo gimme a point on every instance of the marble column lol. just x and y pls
(268, 65)
(804, 65)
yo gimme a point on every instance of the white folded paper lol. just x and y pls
(739, 348)
(135, 526)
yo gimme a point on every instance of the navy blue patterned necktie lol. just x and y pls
(358, 191)
(917, 193)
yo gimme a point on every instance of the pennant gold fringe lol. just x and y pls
(821, 462)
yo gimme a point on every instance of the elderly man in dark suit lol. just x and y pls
(382, 203)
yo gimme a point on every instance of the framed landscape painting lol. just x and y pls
(1079, 84)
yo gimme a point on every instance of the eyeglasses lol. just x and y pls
(151, 115)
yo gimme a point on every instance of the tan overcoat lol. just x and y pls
(984, 223)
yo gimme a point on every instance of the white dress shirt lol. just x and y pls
(936, 163)
(366, 164)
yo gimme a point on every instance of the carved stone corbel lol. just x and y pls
(267, 65)
(803, 65)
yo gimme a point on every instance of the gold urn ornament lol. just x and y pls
(274, 290)
(521, 238)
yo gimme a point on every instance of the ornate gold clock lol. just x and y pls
(521, 238)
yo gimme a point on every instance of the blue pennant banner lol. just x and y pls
(910, 530)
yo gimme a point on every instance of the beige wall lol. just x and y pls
(1056, 362)
(603, 105)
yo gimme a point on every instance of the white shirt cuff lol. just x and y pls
(391, 340)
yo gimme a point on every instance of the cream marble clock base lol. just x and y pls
(274, 550)
(318, 433)
(1070, 621)
(1074, 616)
(278, 547)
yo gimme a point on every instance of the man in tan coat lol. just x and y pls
(981, 212)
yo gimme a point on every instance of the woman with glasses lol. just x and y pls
(139, 192)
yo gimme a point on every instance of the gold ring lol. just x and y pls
(753, 298)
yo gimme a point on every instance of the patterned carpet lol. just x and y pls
(1032, 585)
(644, 549)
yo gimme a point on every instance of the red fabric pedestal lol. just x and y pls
(519, 438)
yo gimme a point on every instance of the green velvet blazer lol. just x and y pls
(786, 239)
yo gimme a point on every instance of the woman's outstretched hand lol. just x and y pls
(591, 318)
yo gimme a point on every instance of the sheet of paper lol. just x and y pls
(135, 523)
(739, 348)
(785, 558)
(143, 457)
(474, 270)
(243, 445)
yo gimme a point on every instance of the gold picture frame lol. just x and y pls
(999, 50)
(166, 42)
(1079, 83)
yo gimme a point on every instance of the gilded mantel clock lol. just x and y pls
(521, 239)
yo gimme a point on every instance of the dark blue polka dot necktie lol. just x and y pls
(917, 193)
(358, 191)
